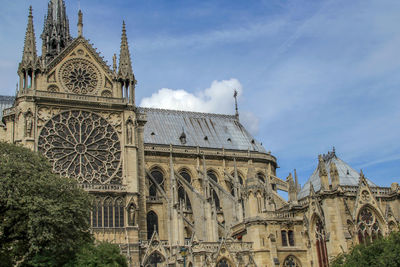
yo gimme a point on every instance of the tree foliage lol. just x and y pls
(102, 254)
(44, 218)
(382, 252)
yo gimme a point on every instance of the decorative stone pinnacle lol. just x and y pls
(80, 23)
(29, 55)
(125, 66)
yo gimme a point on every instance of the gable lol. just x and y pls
(78, 69)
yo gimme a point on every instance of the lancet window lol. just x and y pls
(158, 177)
(152, 224)
(287, 238)
(320, 243)
(214, 194)
(368, 226)
(108, 214)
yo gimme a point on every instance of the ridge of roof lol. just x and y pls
(182, 112)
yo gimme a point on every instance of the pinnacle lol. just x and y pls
(125, 64)
(29, 53)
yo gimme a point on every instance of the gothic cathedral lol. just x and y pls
(177, 188)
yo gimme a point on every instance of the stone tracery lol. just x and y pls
(79, 76)
(82, 145)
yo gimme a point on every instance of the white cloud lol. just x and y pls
(218, 98)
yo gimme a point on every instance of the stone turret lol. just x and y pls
(125, 75)
(29, 63)
(55, 36)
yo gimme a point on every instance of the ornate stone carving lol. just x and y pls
(82, 145)
(80, 76)
(129, 131)
(28, 123)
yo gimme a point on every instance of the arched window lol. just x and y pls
(223, 263)
(240, 178)
(261, 177)
(108, 213)
(368, 226)
(216, 200)
(284, 238)
(184, 198)
(155, 259)
(97, 214)
(182, 195)
(291, 261)
(152, 223)
(214, 195)
(185, 175)
(291, 238)
(159, 179)
(119, 213)
(212, 175)
(320, 243)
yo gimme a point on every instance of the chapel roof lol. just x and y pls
(347, 175)
(206, 130)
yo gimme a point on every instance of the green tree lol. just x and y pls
(381, 252)
(103, 254)
(43, 217)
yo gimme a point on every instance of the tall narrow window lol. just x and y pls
(152, 223)
(284, 238)
(108, 213)
(182, 195)
(119, 213)
(291, 238)
(320, 237)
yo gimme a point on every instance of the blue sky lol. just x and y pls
(311, 74)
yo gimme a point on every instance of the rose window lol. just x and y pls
(80, 76)
(82, 145)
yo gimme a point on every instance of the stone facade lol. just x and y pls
(176, 188)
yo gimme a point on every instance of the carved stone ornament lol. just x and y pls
(82, 145)
(365, 196)
(80, 76)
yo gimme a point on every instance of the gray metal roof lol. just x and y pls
(347, 175)
(5, 102)
(205, 130)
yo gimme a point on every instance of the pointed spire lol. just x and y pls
(80, 23)
(125, 66)
(29, 55)
(235, 94)
(55, 34)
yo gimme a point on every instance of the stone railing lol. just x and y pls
(68, 96)
(8, 111)
(103, 187)
(279, 215)
(207, 152)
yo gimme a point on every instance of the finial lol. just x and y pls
(361, 173)
(30, 12)
(80, 23)
(235, 94)
(115, 63)
(333, 150)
